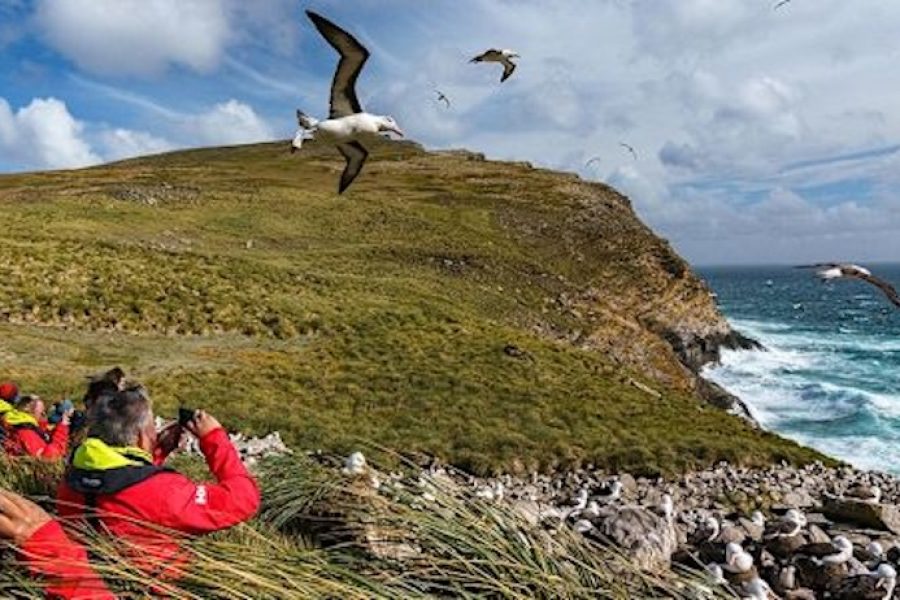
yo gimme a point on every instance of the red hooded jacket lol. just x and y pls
(63, 565)
(25, 436)
(147, 506)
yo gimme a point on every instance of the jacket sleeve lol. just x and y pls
(203, 508)
(63, 565)
(35, 445)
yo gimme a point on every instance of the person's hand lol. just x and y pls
(20, 519)
(202, 424)
(169, 438)
(66, 418)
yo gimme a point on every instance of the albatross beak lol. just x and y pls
(397, 130)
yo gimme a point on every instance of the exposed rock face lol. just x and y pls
(649, 539)
(882, 517)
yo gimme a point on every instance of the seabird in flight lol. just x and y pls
(782, 3)
(630, 149)
(829, 271)
(442, 97)
(347, 123)
(504, 57)
(591, 161)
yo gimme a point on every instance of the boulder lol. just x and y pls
(883, 517)
(649, 539)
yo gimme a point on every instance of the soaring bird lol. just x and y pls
(347, 123)
(442, 97)
(829, 271)
(782, 3)
(504, 57)
(592, 160)
(630, 149)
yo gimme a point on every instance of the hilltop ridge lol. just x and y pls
(497, 315)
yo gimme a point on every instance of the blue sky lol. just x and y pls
(762, 136)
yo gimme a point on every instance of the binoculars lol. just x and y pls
(77, 421)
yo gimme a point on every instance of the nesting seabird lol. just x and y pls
(869, 494)
(831, 271)
(871, 555)
(630, 149)
(609, 493)
(757, 589)
(788, 526)
(737, 560)
(837, 552)
(442, 97)
(355, 464)
(878, 585)
(504, 57)
(347, 123)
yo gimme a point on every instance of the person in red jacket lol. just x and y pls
(113, 482)
(29, 434)
(48, 552)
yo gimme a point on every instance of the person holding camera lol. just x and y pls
(28, 432)
(114, 483)
(48, 552)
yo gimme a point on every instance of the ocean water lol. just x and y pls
(830, 377)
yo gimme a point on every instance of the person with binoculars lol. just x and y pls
(116, 481)
(29, 433)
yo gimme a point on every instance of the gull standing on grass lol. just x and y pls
(347, 123)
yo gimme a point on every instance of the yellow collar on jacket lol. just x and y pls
(5, 407)
(96, 455)
(16, 417)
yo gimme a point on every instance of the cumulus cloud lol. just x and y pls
(118, 143)
(136, 37)
(43, 135)
(230, 122)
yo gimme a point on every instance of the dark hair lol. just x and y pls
(26, 402)
(118, 417)
(105, 383)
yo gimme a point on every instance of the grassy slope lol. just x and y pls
(235, 279)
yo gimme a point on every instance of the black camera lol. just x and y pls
(77, 421)
(186, 415)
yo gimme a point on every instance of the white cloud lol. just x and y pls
(43, 135)
(136, 37)
(124, 143)
(230, 122)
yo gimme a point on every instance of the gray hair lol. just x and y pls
(118, 417)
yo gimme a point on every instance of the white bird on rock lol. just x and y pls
(737, 560)
(347, 123)
(355, 464)
(757, 589)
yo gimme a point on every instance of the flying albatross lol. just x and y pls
(829, 271)
(782, 3)
(504, 57)
(630, 149)
(347, 123)
(442, 97)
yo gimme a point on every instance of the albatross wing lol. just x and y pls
(353, 56)
(356, 155)
(884, 286)
(508, 68)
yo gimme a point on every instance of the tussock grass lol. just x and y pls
(456, 546)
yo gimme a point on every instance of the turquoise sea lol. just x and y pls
(830, 375)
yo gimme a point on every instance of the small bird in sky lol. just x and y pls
(592, 160)
(442, 97)
(782, 3)
(504, 57)
(630, 149)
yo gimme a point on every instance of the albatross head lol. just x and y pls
(389, 124)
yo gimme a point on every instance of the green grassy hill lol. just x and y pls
(235, 279)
